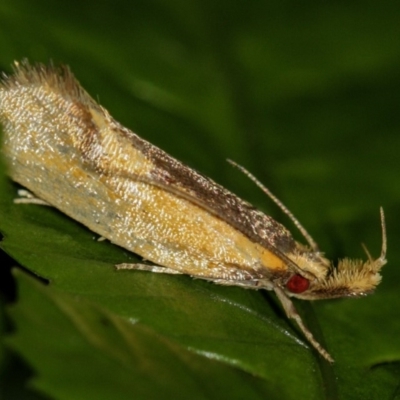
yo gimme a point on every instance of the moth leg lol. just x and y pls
(291, 312)
(244, 284)
(146, 267)
(164, 270)
(26, 197)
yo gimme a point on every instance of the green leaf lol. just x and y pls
(303, 95)
(81, 349)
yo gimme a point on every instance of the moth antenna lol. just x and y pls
(379, 262)
(313, 244)
(382, 257)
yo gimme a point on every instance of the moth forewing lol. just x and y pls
(71, 154)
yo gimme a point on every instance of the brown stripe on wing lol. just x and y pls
(183, 181)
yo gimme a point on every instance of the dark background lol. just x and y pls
(305, 96)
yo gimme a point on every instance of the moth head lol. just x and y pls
(348, 278)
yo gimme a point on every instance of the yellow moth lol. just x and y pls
(71, 154)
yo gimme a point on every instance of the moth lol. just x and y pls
(70, 153)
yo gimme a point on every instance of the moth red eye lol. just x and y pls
(297, 284)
